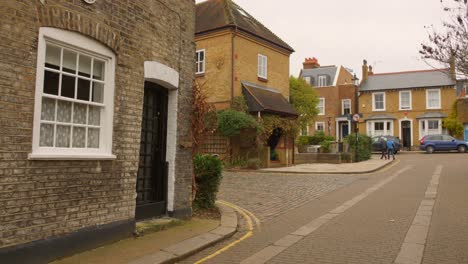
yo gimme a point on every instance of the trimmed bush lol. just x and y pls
(208, 175)
(319, 137)
(364, 146)
(231, 122)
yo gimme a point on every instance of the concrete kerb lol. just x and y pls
(315, 172)
(188, 247)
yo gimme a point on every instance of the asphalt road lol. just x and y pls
(415, 211)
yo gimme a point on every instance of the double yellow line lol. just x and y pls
(248, 216)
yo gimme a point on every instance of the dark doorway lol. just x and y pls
(152, 170)
(273, 141)
(406, 134)
(344, 130)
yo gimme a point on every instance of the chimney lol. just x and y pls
(371, 72)
(365, 71)
(311, 63)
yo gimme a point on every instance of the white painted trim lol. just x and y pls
(319, 77)
(370, 127)
(161, 74)
(342, 106)
(316, 126)
(335, 82)
(203, 62)
(373, 102)
(410, 100)
(322, 98)
(411, 127)
(75, 41)
(427, 99)
(154, 70)
(425, 132)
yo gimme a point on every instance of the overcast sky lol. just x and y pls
(387, 33)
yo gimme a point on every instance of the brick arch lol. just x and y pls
(54, 16)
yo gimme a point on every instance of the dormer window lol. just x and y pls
(308, 79)
(322, 81)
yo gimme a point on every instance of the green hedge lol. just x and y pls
(232, 122)
(364, 146)
(316, 139)
(208, 174)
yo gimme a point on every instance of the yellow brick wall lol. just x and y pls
(217, 78)
(246, 65)
(448, 96)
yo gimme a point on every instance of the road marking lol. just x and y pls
(285, 242)
(245, 214)
(257, 221)
(412, 249)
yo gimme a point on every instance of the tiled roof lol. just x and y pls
(267, 100)
(217, 14)
(329, 71)
(432, 115)
(409, 79)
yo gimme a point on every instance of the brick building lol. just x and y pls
(95, 114)
(336, 91)
(237, 55)
(407, 104)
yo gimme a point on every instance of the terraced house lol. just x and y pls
(336, 91)
(95, 121)
(237, 55)
(407, 104)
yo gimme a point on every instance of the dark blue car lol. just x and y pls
(431, 143)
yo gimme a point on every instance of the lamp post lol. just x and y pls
(356, 111)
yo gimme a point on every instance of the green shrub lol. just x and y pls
(364, 146)
(208, 175)
(302, 140)
(319, 137)
(231, 122)
(325, 146)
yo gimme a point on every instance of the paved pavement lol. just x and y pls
(366, 218)
(371, 165)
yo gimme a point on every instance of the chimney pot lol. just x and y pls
(311, 63)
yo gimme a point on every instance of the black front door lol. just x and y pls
(406, 133)
(152, 169)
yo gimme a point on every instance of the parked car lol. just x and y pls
(377, 146)
(431, 143)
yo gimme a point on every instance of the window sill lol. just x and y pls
(200, 74)
(74, 156)
(409, 109)
(262, 79)
(378, 110)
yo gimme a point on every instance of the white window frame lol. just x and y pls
(343, 106)
(424, 127)
(427, 98)
(386, 132)
(323, 107)
(410, 107)
(322, 81)
(200, 63)
(319, 123)
(262, 71)
(76, 42)
(373, 102)
(308, 79)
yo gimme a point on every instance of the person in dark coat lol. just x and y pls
(383, 145)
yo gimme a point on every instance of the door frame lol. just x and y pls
(338, 127)
(411, 127)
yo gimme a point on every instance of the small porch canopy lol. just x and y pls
(429, 115)
(267, 100)
(379, 117)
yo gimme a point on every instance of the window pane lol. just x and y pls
(202, 56)
(98, 92)
(79, 113)
(68, 86)
(69, 61)
(93, 138)
(79, 134)
(64, 111)
(48, 109)
(94, 117)
(52, 59)
(83, 89)
(85, 66)
(98, 70)
(63, 137)
(51, 82)
(46, 135)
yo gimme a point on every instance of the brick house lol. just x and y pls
(95, 117)
(237, 55)
(462, 105)
(336, 92)
(407, 104)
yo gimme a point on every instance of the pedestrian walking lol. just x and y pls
(383, 145)
(391, 148)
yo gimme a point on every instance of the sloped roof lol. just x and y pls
(380, 117)
(329, 71)
(217, 14)
(409, 79)
(432, 115)
(265, 99)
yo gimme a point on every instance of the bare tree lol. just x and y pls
(450, 45)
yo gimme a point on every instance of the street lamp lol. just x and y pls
(356, 111)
